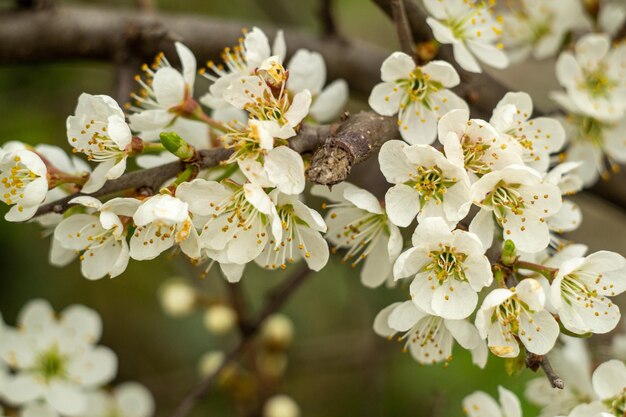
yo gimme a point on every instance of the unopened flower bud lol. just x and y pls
(272, 364)
(281, 406)
(177, 145)
(220, 319)
(177, 297)
(210, 362)
(508, 253)
(277, 332)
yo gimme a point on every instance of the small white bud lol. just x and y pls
(281, 406)
(273, 364)
(220, 319)
(277, 331)
(209, 362)
(177, 297)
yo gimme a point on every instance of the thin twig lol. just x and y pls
(534, 361)
(276, 299)
(403, 27)
(327, 19)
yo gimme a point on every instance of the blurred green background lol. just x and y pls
(338, 367)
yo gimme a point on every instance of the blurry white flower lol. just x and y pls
(163, 221)
(592, 142)
(611, 17)
(23, 182)
(580, 292)
(480, 404)
(164, 93)
(98, 129)
(357, 222)
(595, 77)
(475, 144)
(307, 71)
(427, 184)
(177, 297)
(519, 201)
(129, 399)
(471, 29)
(301, 236)
(536, 138)
(240, 61)
(609, 383)
(55, 359)
(517, 314)
(449, 269)
(101, 236)
(540, 27)
(210, 362)
(420, 95)
(572, 363)
(281, 406)
(429, 338)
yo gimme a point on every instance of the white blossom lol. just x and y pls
(480, 404)
(307, 71)
(164, 92)
(475, 144)
(358, 223)
(537, 138)
(580, 292)
(100, 237)
(595, 77)
(420, 95)
(519, 201)
(569, 217)
(23, 181)
(592, 142)
(427, 184)
(240, 61)
(609, 383)
(129, 399)
(236, 221)
(163, 221)
(471, 29)
(429, 338)
(449, 269)
(55, 360)
(540, 26)
(98, 129)
(612, 17)
(510, 316)
(301, 236)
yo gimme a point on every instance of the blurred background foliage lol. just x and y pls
(338, 366)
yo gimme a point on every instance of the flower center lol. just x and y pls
(51, 364)
(100, 147)
(419, 86)
(617, 405)
(430, 183)
(473, 153)
(15, 179)
(596, 82)
(447, 263)
(505, 197)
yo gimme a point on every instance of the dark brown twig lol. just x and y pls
(276, 299)
(403, 27)
(533, 362)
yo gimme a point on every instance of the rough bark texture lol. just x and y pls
(354, 141)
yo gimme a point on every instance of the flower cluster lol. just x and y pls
(52, 366)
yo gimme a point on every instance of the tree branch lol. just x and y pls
(403, 27)
(533, 362)
(276, 299)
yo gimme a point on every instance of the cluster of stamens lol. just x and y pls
(99, 147)
(361, 234)
(14, 180)
(283, 252)
(431, 183)
(145, 97)
(446, 263)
